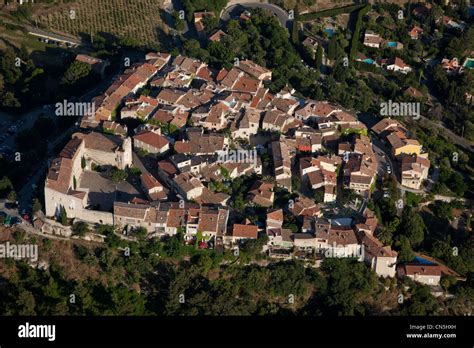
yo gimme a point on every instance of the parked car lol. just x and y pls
(389, 169)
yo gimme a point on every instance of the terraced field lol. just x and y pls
(138, 19)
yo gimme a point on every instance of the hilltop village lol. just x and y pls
(296, 160)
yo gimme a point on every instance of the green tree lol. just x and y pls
(80, 228)
(26, 303)
(63, 217)
(140, 233)
(412, 226)
(178, 22)
(11, 196)
(210, 23)
(421, 302)
(36, 205)
(405, 253)
(348, 283)
(9, 100)
(9, 67)
(75, 72)
(332, 48)
(118, 175)
(319, 57)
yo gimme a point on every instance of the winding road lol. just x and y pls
(234, 8)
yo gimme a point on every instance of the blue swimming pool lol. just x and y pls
(392, 44)
(368, 61)
(469, 63)
(422, 261)
(329, 31)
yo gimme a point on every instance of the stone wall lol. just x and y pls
(96, 216)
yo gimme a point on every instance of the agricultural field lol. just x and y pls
(138, 19)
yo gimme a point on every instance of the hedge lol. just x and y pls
(356, 33)
(330, 12)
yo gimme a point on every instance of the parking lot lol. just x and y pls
(7, 131)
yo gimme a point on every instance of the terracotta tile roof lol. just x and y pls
(59, 174)
(262, 193)
(246, 84)
(186, 181)
(206, 74)
(346, 117)
(214, 198)
(374, 247)
(116, 128)
(415, 32)
(138, 200)
(208, 221)
(284, 104)
(99, 141)
(151, 138)
(338, 235)
(135, 211)
(397, 62)
(305, 207)
(167, 167)
(150, 182)
(324, 109)
(386, 124)
(176, 218)
(202, 144)
(245, 231)
(70, 150)
(276, 215)
(253, 69)
(372, 38)
(170, 96)
(423, 270)
(230, 78)
(217, 36)
(163, 116)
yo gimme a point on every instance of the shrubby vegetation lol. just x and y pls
(156, 279)
(20, 80)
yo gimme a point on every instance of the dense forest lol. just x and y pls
(169, 278)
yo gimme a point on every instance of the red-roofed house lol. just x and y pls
(397, 65)
(151, 141)
(415, 33)
(152, 187)
(243, 232)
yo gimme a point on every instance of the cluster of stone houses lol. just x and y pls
(62, 187)
(167, 218)
(321, 238)
(203, 105)
(235, 99)
(130, 82)
(414, 163)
